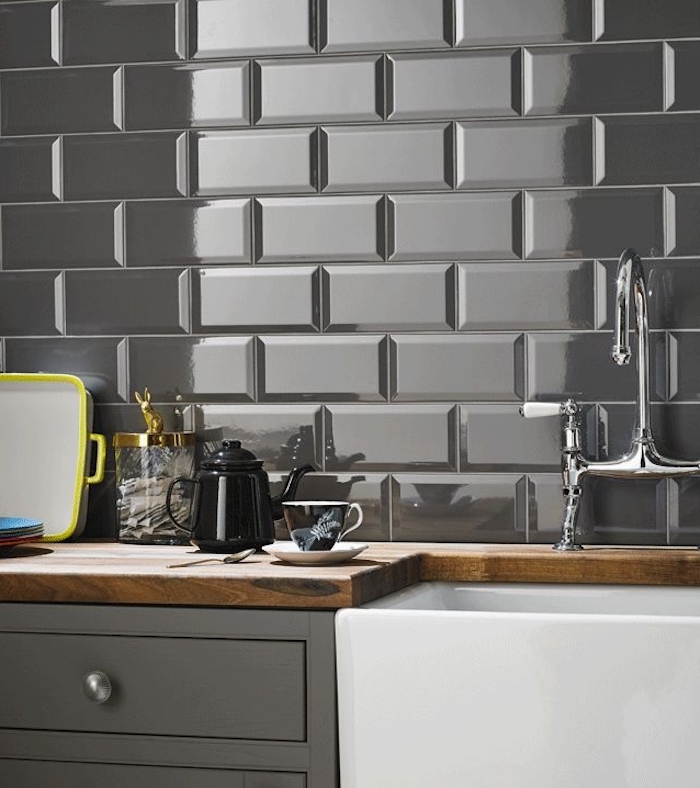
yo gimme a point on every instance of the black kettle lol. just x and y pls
(232, 508)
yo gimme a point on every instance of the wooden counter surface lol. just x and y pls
(113, 573)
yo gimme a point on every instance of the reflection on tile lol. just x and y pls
(653, 149)
(594, 78)
(186, 96)
(525, 153)
(109, 166)
(28, 304)
(594, 223)
(498, 439)
(167, 232)
(284, 436)
(616, 429)
(254, 161)
(27, 169)
(545, 508)
(48, 101)
(676, 429)
(409, 156)
(485, 22)
(320, 228)
(685, 229)
(124, 301)
(75, 235)
(685, 56)
(95, 358)
(388, 297)
(438, 367)
(495, 296)
(483, 225)
(392, 437)
(322, 368)
(384, 24)
(625, 19)
(257, 299)
(685, 375)
(454, 84)
(451, 508)
(313, 90)
(194, 370)
(26, 35)
(685, 527)
(225, 28)
(120, 31)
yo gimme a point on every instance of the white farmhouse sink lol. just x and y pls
(480, 685)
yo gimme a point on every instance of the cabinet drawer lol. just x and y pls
(88, 775)
(214, 687)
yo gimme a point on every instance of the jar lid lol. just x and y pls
(231, 454)
(145, 439)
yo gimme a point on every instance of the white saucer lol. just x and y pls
(291, 554)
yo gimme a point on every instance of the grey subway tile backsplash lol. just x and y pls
(302, 90)
(322, 368)
(358, 233)
(254, 161)
(157, 96)
(247, 298)
(194, 232)
(593, 79)
(113, 31)
(493, 22)
(479, 225)
(454, 84)
(60, 235)
(384, 24)
(251, 27)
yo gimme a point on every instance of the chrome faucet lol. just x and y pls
(642, 460)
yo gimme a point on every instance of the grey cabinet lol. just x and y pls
(202, 697)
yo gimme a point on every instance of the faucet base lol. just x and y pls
(565, 546)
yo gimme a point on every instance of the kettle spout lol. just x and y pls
(289, 491)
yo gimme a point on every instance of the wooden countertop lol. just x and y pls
(114, 573)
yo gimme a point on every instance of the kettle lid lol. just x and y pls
(231, 454)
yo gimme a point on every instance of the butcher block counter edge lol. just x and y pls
(99, 572)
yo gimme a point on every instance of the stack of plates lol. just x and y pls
(17, 530)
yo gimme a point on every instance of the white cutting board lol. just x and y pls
(45, 443)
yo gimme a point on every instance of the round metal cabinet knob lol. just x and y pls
(97, 686)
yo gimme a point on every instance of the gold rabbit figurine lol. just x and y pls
(154, 421)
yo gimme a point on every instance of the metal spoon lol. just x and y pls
(234, 558)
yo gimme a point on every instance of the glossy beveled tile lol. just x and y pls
(458, 508)
(60, 235)
(28, 168)
(625, 19)
(29, 304)
(517, 153)
(405, 156)
(392, 437)
(488, 22)
(494, 296)
(685, 62)
(482, 225)
(179, 232)
(121, 31)
(453, 84)
(545, 507)
(50, 101)
(482, 367)
(186, 96)
(226, 28)
(257, 299)
(684, 528)
(284, 436)
(255, 161)
(321, 90)
(594, 223)
(593, 79)
(388, 297)
(384, 24)
(140, 301)
(322, 368)
(193, 369)
(684, 378)
(300, 229)
(28, 34)
(684, 226)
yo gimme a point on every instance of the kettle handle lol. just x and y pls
(171, 486)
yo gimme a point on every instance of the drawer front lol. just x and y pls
(214, 687)
(88, 775)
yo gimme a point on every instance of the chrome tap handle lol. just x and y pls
(535, 410)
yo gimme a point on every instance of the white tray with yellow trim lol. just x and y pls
(46, 451)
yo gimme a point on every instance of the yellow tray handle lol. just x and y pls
(99, 474)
